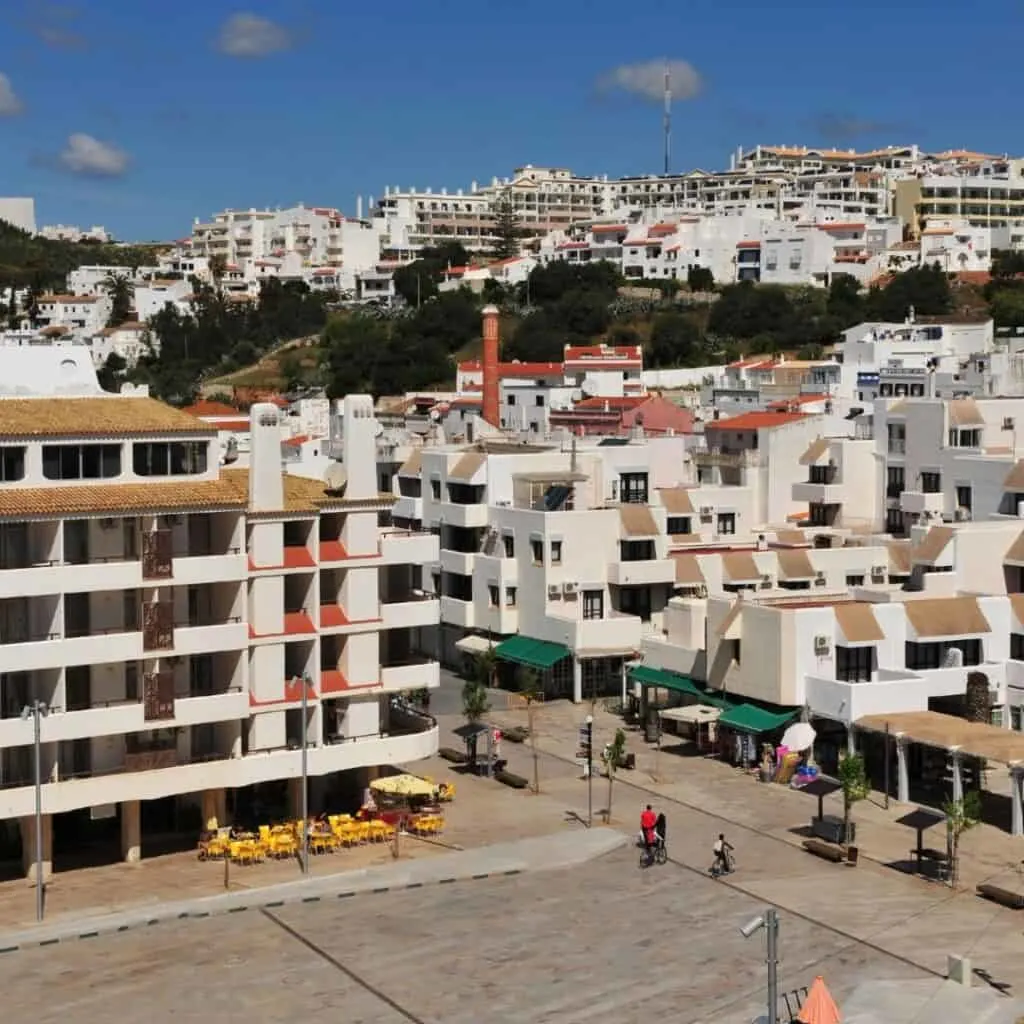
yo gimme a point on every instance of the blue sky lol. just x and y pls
(141, 115)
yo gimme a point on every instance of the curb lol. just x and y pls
(257, 904)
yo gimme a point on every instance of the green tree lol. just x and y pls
(675, 341)
(845, 302)
(218, 265)
(854, 782)
(475, 705)
(531, 691)
(112, 374)
(353, 345)
(1007, 305)
(613, 757)
(925, 289)
(485, 667)
(700, 279)
(961, 816)
(506, 230)
(537, 339)
(121, 293)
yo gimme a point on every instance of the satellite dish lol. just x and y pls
(335, 478)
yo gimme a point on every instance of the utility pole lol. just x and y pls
(305, 681)
(590, 771)
(769, 921)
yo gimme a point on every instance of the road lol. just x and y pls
(603, 941)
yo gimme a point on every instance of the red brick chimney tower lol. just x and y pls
(491, 411)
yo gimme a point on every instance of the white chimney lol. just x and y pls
(266, 489)
(359, 446)
(359, 207)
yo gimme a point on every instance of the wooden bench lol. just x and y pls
(827, 851)
(1004, 897)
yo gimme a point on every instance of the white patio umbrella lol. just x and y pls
(799, 736)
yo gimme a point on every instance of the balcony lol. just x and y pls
(456, 613)
(818, 494)
(230, 635)
(400, 547)
(408, 507)
(53, 578)
(213, 707)
(616, 633)
(918, 502)
(196, 569)
(158, 626)
(725, 456)
(459, 562)
(411, 674)
(640, 573)
(452, 514)
(157, 555)
(415, 610)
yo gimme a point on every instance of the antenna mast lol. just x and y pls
(668, 115)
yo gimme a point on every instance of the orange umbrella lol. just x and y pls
(819, 1006)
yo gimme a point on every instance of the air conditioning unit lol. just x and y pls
(877, 571)
(1008, 423)
(707, 511)
(108, 524)
(766, 581)
(822, 646)
(554, 590)
(570, 587)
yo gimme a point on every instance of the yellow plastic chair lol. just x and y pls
(284, 845)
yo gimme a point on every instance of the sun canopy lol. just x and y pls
(403, 785)
(748, 718)
(525, 650)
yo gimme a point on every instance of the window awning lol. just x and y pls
(676, 501)
(941, 617)
(688, 571)
(1015, 480)
(748, 718)
(1015, 555)
(935, 542)
(795, 564)
(740, 567)
(816, 453)
(637, 521)
(524, 650)
(858, 624)
(648, 676)
(412, 465)
(467, 467)
(729, 627)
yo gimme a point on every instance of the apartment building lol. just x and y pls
(85, 313)
(190, 628)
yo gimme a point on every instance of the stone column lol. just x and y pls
(902, 774)
(577, 681)
(958, 776)
(131, 831)
(1017, 801)
(851, 740)
(295, 797)
(28, 846)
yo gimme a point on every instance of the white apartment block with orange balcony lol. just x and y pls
(169, 612)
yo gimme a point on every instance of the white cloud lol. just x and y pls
(10, 104)
(647, 79)
(249, 35)
(89, 157)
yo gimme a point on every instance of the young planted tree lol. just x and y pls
(475, 704)
(531, 691)
(961, 815)
(507, 232)
(485, 667)
(854, 781)
(613, 757)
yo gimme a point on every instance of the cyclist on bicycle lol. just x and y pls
(660, 830)
(648, 823)
(722, 849)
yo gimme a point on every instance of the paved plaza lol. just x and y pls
(600, 941)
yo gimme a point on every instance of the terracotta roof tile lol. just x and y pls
(755, 421)
(112, 416)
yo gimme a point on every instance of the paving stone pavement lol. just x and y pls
(601, 940)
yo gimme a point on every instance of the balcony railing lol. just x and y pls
(157, 555)
(714, 456)
(158, 626)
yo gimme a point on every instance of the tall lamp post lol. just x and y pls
(37, 711)
(306, 683)
(769, 921)
(590, 771)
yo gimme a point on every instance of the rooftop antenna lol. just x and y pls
(668, 116)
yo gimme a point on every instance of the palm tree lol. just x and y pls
(961, 815)
(613, 757)
(854, 782)
(531, 691)
(121, 292)
(218, 266)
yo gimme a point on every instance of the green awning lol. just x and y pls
(647, 676)
(524, 650)
(748, 718)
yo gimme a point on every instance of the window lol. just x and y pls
(1017, 646)
(636, 550)
(677, 526)
(510, 597)
(726, 522)
(12, 464)
(435, 489)
(169, 458)
(511, 400)
(493, 595)
(854, 664)
(920, 656)
(855, 581)
(537, 551)
(964, 438)
(897, 438)
(593, 604)
(131, 680)
(1016, 717)
(964, 497)
(896, 477)
(931, 483)
(538, 399)
(510, 545)
(81, 461)
(633, 488)
(556, 552)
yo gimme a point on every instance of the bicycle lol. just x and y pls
(656, 854)
(719, 868)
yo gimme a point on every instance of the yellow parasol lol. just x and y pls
(403, 785)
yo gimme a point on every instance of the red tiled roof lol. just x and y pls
(785, 403)
(755, 421)
(839, 227)
(297, 441)
(974, 276)
(748, 245)
(467, 401)
(662, 230)
(615, 402)
(600, 229)
(515, 369)
(239, 426)
(572, 245)
(574, 353)
(745, 364)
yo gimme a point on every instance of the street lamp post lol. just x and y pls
(37, 711)
(306, 681)
(590, 771)
(769, 921)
